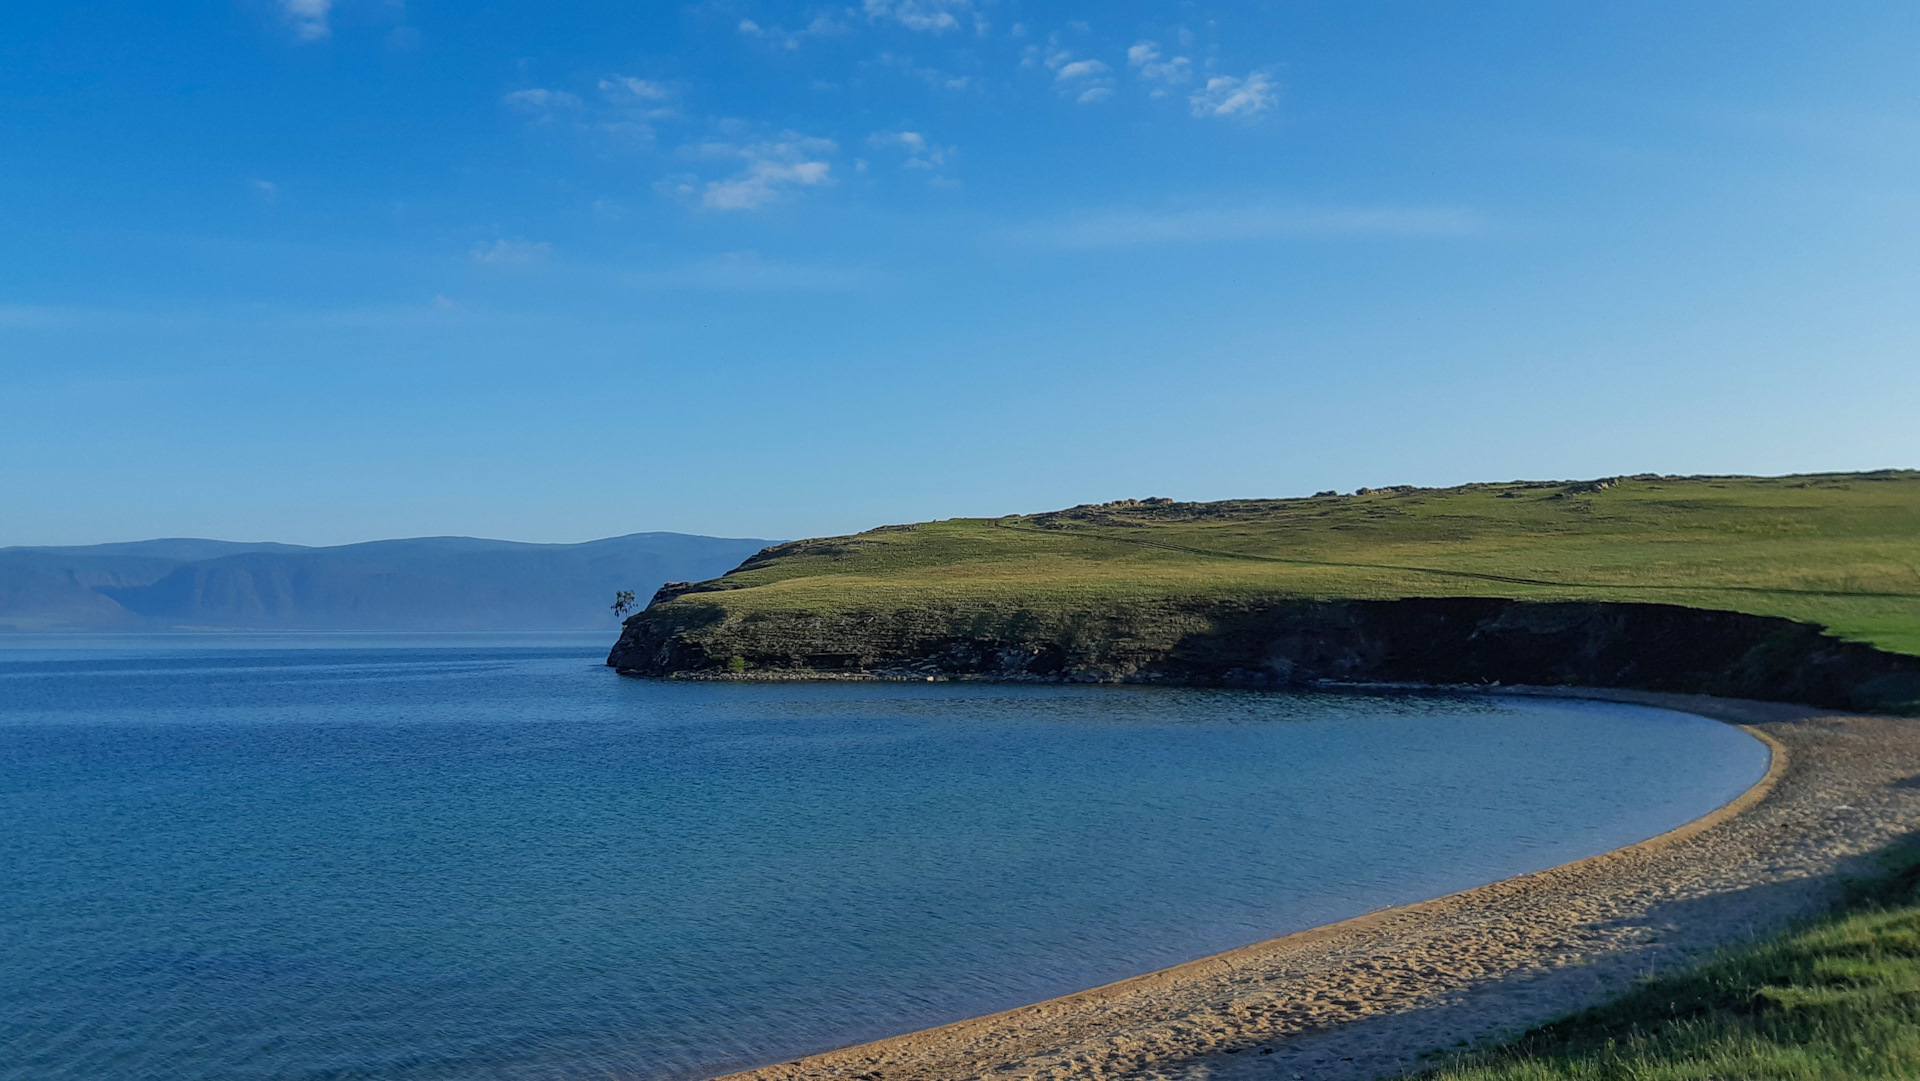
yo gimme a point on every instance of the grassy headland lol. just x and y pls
(1110, 588)
(1838, 999)
(1840, 550)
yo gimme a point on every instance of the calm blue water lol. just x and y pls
(478, 858)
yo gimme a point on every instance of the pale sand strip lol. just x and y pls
(1369, 996)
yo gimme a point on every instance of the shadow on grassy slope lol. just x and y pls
(1835, 998)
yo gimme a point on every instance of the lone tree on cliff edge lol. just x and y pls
(623, 603)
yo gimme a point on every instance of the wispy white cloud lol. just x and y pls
(927, 16)
(1156, 69)
(622, 112)
(539, 100)
(771, 170)
(511, 253)
(920, 153)
(764, 181)
(930, 16)
(1084, 80)
(821, 26)
(933, 77)
(308, 18)
(629, 88)
(1226, 96)
(1132, 228)
(629, 105)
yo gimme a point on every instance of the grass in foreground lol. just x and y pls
(1841, 550)
(1839, 998)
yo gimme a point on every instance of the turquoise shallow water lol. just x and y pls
(417, 858)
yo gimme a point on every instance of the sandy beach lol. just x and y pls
(1385, 992)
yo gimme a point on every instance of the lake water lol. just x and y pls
(408, 858)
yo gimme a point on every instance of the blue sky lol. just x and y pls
(323, 272)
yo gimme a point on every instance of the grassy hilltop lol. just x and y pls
(1840, 550)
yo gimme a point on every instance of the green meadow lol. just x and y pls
(1841, 550)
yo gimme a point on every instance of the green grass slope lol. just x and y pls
(1838, 999)
(1841, 550)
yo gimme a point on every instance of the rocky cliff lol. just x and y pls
(1439, 640)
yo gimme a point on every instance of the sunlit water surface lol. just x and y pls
(420, 858)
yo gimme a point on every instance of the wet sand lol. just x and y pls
(1382, 993)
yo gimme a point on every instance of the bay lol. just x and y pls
(256, 857)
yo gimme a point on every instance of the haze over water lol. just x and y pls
(486, 858)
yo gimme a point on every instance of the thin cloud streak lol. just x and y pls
(1125, 228)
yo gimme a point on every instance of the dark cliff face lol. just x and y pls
(1450, 640)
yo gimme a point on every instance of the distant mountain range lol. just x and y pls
(426, 583)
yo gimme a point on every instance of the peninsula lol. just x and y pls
(1797, 588)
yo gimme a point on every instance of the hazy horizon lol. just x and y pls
(126, 542)
(774, 538)
(422, 583)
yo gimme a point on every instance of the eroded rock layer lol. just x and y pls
(1431, 640)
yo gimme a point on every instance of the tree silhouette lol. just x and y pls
(623, 603)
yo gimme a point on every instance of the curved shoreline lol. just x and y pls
(1371, 994)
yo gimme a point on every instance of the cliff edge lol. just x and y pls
(1800, 589)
